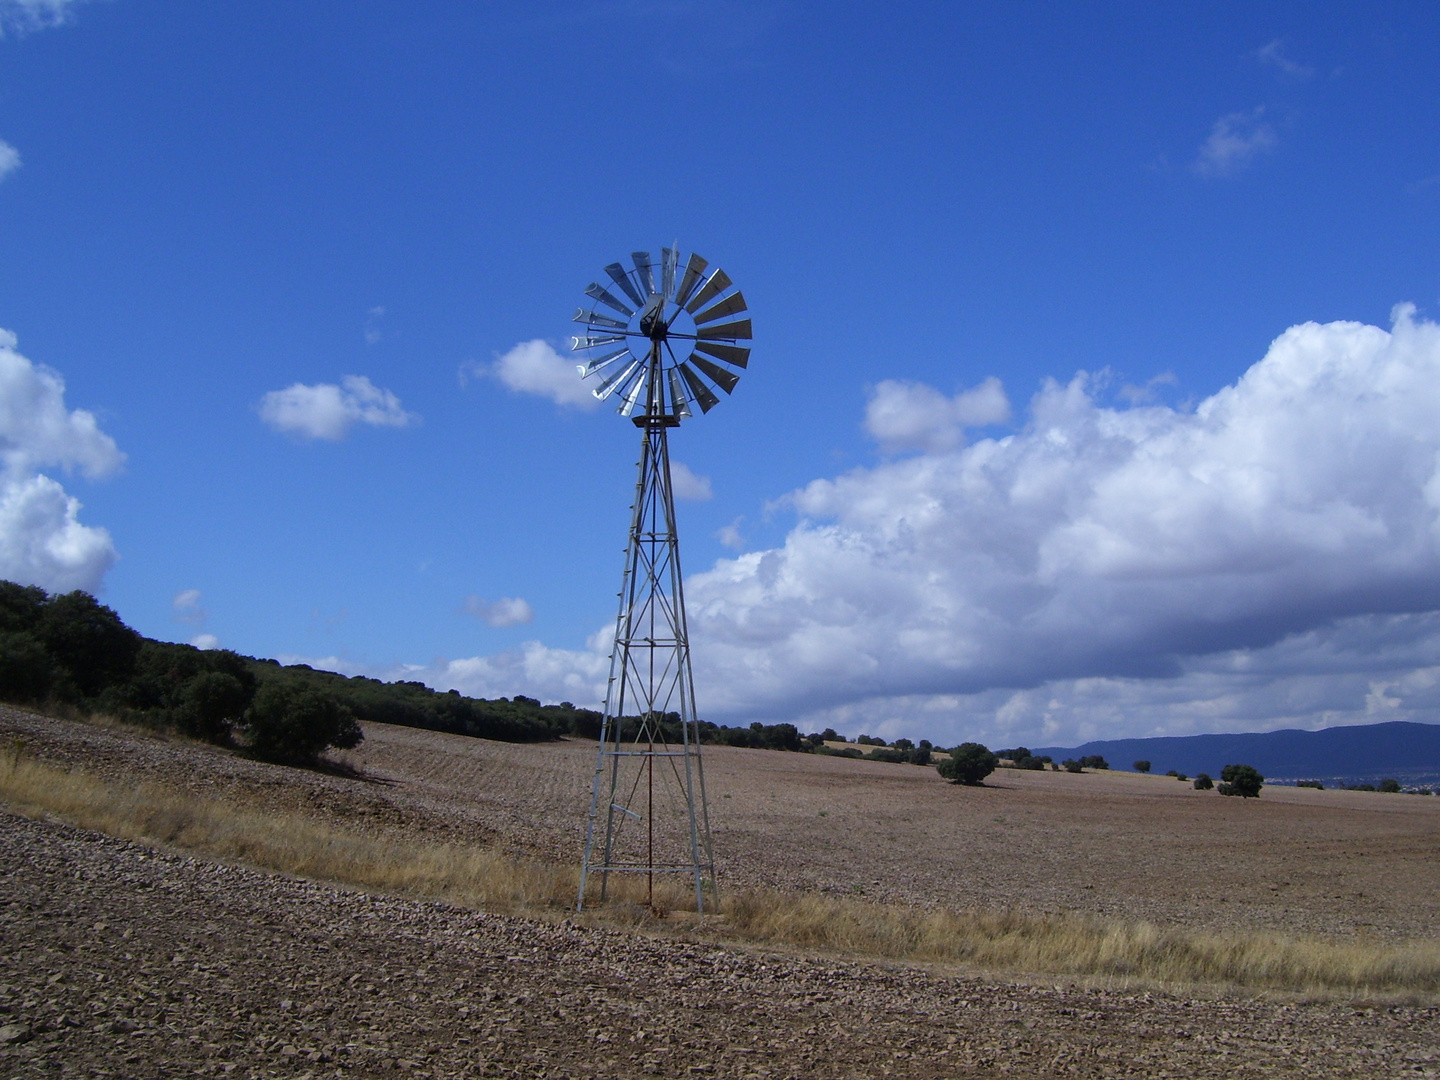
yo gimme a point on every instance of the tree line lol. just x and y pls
(70, 651)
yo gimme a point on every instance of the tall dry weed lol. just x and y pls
(1081, 945)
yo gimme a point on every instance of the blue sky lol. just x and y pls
(389, 213)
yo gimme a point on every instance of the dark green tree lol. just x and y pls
(1203, 782)
(968, 763)
(1142, 766)
(20, 606)
(1391, 785)
(293, 723)
(211, 703)
(26, 670)
(88, 640)
(1242, 780)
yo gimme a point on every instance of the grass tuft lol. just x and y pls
(484, 878)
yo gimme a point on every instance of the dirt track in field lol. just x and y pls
(120, 961)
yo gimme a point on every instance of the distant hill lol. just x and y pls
(1406, 751)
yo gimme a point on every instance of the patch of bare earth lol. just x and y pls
(122, 961)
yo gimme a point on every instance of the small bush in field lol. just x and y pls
(968, 763)
(1203, 782)
(1142, 766)
(291, 722)
(1241, 780)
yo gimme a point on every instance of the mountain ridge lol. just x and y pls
(1403, 749)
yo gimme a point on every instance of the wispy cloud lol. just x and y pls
(730, 535)
(25, 16)
(507, 611)
(373, 333)
(186, 605)
(687, 485)
(9, 159)
(326, 411)
(1235, 141)
(1274, 55)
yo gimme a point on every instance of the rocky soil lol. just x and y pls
(1295, 861)
(119, 961)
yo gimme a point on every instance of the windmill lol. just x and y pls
(657, 347)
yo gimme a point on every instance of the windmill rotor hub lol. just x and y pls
(652, 319)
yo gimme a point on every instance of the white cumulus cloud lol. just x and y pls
(686, 485)
(534, 367)
(1100, 543)
(507, 611)
(326, 411)
(912, 416)
(1234, 142)
(42, 541)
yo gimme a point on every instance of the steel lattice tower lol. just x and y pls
(648, 810)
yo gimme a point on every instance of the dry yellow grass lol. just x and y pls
(487, 879)
(1081, 945)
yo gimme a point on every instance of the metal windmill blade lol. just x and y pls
(722, 378)
(600, 293)
(642, 271)
(714, 285)
(619, 275)
(731, 331)
(669, 263)
(737, 355)
(694, 273)
(593, 319)
(734, 304)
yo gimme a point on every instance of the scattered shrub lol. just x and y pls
(1093, 761)
(1390, 785)
(968, 763)
(1142, 766)
(291, 722)
(1071, 765)
(1181, 777)
(1203, 782)
(1316, 784)
(1359, 787)
(1241, 780)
